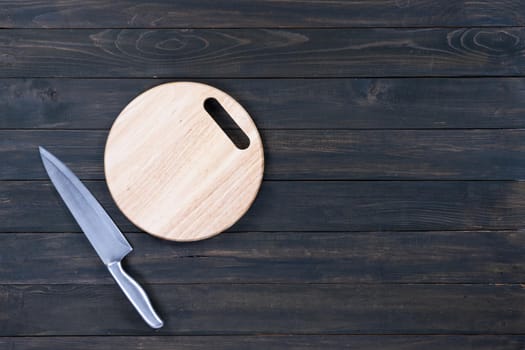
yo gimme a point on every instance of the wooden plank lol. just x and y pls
(259, 13)
(27, 206)
(202, 53)
(201, 309)
(268, 342)
(283, 103)
(283, 257)
(309, 154)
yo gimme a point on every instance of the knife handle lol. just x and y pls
(136, 295)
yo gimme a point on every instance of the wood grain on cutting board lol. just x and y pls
(173, 171)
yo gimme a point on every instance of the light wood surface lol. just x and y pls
(173, 171)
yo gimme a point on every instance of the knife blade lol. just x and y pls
(108, 241)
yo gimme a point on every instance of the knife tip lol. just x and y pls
(46, 156)
(44, 153)
(42, 150)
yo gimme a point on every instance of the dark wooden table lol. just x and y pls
(391, 212)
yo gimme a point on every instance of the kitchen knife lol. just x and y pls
(109, 243)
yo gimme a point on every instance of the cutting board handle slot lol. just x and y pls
(225, 121)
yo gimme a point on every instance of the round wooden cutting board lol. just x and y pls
(173, 171)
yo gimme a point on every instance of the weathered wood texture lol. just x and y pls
(266, 309)
(202, 53)
(259, 13)
(309, 154)
(346, 247)
(268, 342)
(308, 206)
(280, 257)
(282, 103)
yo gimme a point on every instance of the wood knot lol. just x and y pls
(497, 41)
(486, 42)
(49, 94)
